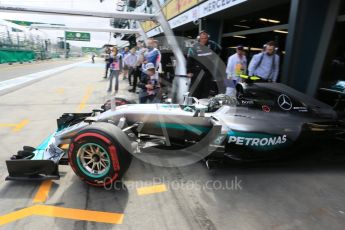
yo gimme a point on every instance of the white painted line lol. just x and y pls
(9, 85)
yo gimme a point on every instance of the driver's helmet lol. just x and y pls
(219, 100)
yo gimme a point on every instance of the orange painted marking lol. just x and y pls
(43, 192)
(67, 213)
(64, 146)
(20, 125)
(86, 97)
(79, 214)
(13, 216)
(151, 189)
(16, 127)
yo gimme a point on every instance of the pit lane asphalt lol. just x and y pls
(16, 69)
(303, 193)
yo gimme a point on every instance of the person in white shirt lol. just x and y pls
(131, 61)
(237, 65)
(140, 59)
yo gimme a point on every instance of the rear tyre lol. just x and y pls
(97, 156)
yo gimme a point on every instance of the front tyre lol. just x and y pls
(97, 156)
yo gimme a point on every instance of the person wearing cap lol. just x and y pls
(237, 65)
(149, 85)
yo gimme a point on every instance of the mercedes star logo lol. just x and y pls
(284, 102)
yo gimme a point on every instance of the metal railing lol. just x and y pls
(16, 40)
(21, 41)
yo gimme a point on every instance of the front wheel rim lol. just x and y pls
(93, 160)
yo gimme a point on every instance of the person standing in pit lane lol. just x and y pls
(93, 58)
(202, 56)
(152, 54)
(131, 61)
(115, 69)
(108, 60)
(124, 53)
(266, 64)
(138, 70)
(237, 65)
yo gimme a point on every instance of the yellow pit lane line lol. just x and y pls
(86, 97)
(147, 190)
(66, 213)
(60, 90)
(43, 192)
(16, 127)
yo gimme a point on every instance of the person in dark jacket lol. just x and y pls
(93, 57)
(108, 60)
(149, 85)
(201, 59)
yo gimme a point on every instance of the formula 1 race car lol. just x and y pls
(264, 119)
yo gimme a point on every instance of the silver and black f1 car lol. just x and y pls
(264, 119)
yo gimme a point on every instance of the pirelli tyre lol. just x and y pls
(100, 154)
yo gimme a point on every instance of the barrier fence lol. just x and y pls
(18, 46)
